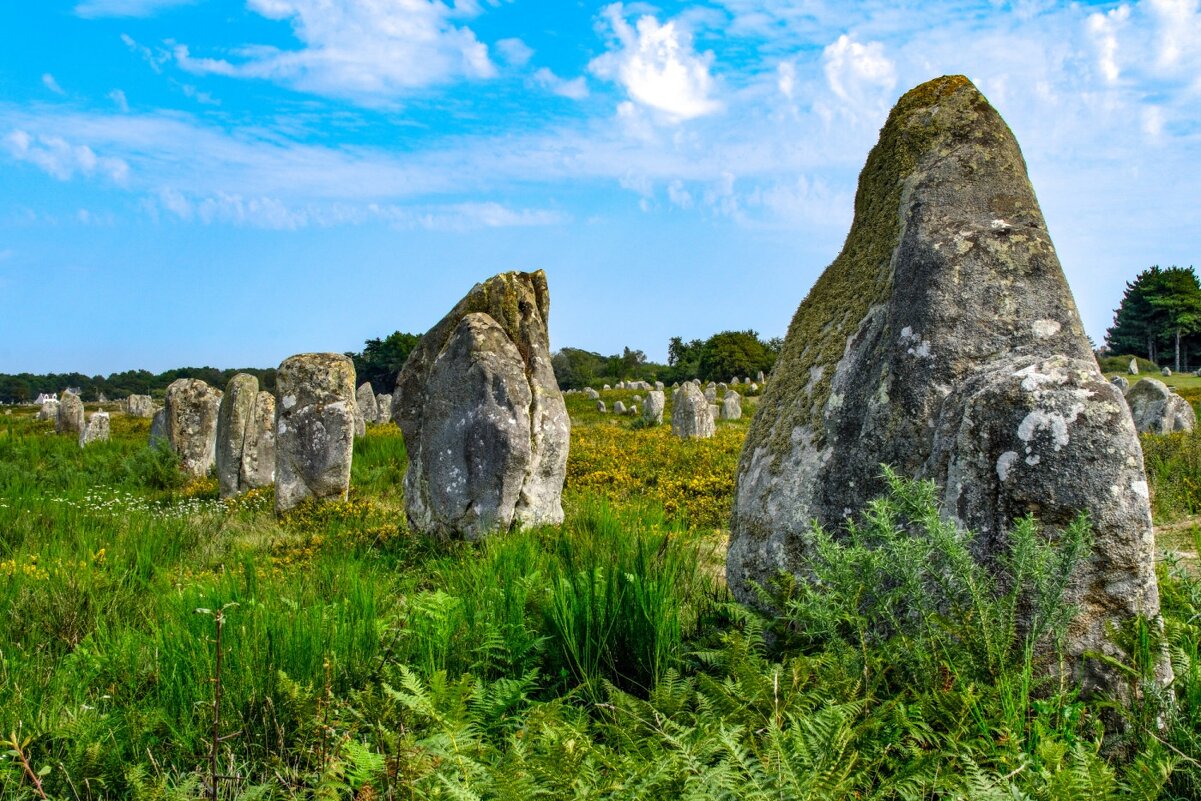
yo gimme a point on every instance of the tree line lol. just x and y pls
(1159, 318)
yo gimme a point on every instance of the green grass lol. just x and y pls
(601, 659)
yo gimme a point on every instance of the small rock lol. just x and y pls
(1158, 410)
(97, 429)
(652, 411)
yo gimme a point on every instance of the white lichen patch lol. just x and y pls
(289, 401)
(1004, 463)
(1000, 225)
(1052, 422)
(1140, 489)
(1046, 328)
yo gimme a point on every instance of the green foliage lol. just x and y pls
(25, 387)
(382, 359)
(1173, 464)
(723, 356)
(1121, 364)
(1160, 316)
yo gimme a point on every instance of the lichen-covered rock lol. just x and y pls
(591, 394)
(495, 407)
(619, 407)
(234, 417)
(1156, 409)
(48, 410)
(258, 450)
(760, 378)
(659, 386)
(652, 410)
(691, 417)
(600, 407)
(96, 430)
(314, 431)
(944, 341)
(158, 429)
(383, 402)
(1133, 368)
(711, 393)
(1167, 371)
(190, 423)
(368, 407)
(139, 406)
(731, 406)
(1121, 383)
(69, 419)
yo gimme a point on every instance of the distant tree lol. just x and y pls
(381, 360)
(576, 368)
(1160, 309)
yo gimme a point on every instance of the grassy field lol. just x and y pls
(161, 644)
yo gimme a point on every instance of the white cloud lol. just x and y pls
(515, 52)
(61, 159)
(657, 66)
(119, 100)
(367, 50)
(1104, 28)
(860, 75)
(51, 84)
(126, 8)
(576, 88)
(1179, 30)
(786, 78)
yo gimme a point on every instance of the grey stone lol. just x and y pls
(367, 406)
(384, 403)
(754, 388)
(1121, 383)
(70, 414)
(714, 411)
(314, 428)
(722, 387)
(234, 417)
(659, 386)
(1133, 368)
(760, 378)
(48, 410)
(97, 429)
(1158, 410)
(139, 406)
(1166, 371)
(600, 407)
(652, 410)
(591, 394)
(190, 423)
(711, 393)
(483, 419)
(258, 450)
(158, 429)
(944, 341)
(619, 407)
(691, 417)
(606, 387)
(734, 381)
(731, 406)
(636, 399)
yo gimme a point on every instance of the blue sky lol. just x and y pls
(228, 182)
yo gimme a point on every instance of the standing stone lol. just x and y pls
(1158, 410)
(1166, 371)
(139, 406)
(1133, 368)
(314, 428)
(731, 406)
(49, 410)
(258, 451)
(600, 407)
(1121, 383)
(606, 387)
(234, 418)
(158, 429)
(591, 394)
(97, 429)
(384, 404)
(691, 417)
(637, 399)
(633, 410)
(368, 408)
(734, 381)
(759, 379)
(619, 408)
(714, 411)
(944, 341)
(190, 418)
(652, 410)
(70, 414)
(754, 389)
(483, 419)
(711, 393)
(659, 386)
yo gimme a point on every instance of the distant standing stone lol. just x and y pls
(1133, 368)
(234, 417)
(691, 417)
(368, 408)
(314, 432)
(1158, 410)
(139, 406)
(190, 418)
(258, 452)
(606, 388)
(734, 381)
(96, 430)
(70, 414)
(711, 393)
(49, 410)
(1166, 371)
(158, 429)
(652, 411)
(600, 407)
(619, 408)
(731, 406)
(384, 403)
(761, 377)
(591, 394)
(659, 386)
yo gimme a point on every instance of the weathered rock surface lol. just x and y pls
(139, 406)
(652, 410)
(591, 394)
(190, 424)
(619, 407)
(600, 407)
(368, 407)
(314, 428)
(70, 414)
(48, 410)
(711, 393)
(158, 429)
(1133, 368)
(483, 419)
(1121, 383)
(731, 406)
(96, 430)
(944, 342)
(258, 450)
(1167, 371)
(384, 403)
(233, 421)
(691, 417)
(1156, 409)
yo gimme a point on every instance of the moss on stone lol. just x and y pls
(861, 276)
